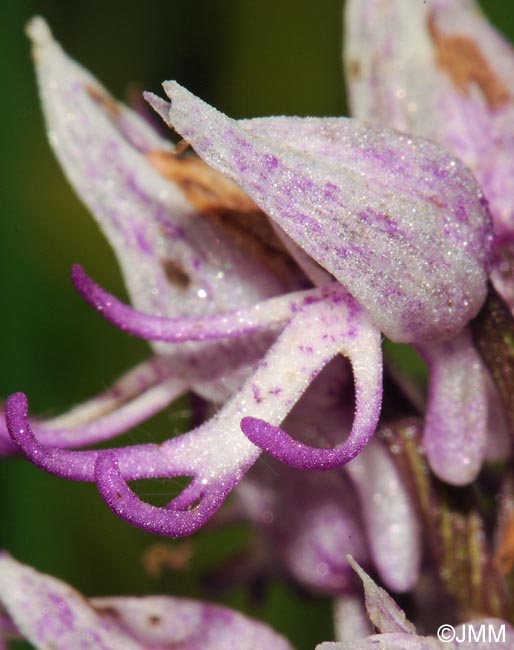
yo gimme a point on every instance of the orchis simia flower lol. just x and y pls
(400, 226)
(437, 69)
(187, 223)
(51, 614)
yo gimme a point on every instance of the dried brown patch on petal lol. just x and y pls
(353, 70)
(107, 611)
(203, 187)
(462, 59)
(225, 205)
(176, 274)
(105, 100)
(176, 557)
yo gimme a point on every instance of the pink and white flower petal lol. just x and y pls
(174, 260)
(455, 433)
(361, 344)
(390, 517)
(164, 621)
(365, 204)
(439, 70)
(50, 613)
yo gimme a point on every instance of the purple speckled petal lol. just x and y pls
(166, 622)
(141, 393)
(456, 421)
(390, 517)
(383, 612)
(50, 614)
(438, 69)
(365, 204)
(174, 260)
(361, 344)
(261, 316)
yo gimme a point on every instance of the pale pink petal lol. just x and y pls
(438, 69)
(166, 622)
(455, 433)
(50, 614)
(365, 204)
(390, 517)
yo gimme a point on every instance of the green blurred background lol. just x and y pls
(248, 58)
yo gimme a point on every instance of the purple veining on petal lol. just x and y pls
(171, 255)
(438, 70)
(455, 433)
(439, 262)
(51, 614)
(187, 624)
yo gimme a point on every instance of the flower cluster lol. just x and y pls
(265, 260)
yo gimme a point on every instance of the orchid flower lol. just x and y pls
(51, 614)
(362, 203)
(396, 632)
(437, 69)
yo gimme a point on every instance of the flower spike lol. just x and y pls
(364, 203)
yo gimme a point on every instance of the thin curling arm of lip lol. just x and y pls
(176, 520)
(366, 359)
(233, 324)
(137, 461)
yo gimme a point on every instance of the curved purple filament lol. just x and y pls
(171, 330)
(171, 521)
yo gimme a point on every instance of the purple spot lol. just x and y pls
(256, 394)
(330, 191)
(270, 162)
